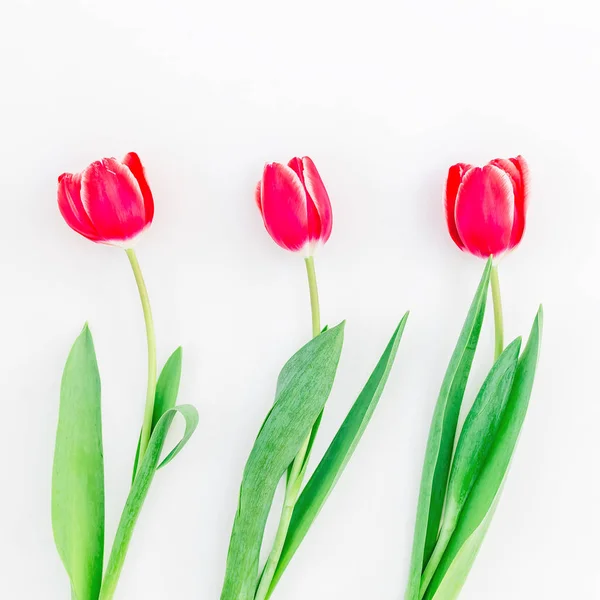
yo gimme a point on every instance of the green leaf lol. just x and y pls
(140, 487)
(481, 425)
(472, 451)
(78, 475)
(302, 390)
(338, 454)
(481, 502)
(167, 388)
(454, 579)
(440, 444)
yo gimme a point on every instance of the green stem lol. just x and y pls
(151, 390)
(498, 320)
(296, 473)
(314, 296)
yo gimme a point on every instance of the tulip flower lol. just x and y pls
(294, 205)
(486, 206)
(109, 202)
(485, 211)
(296, 211)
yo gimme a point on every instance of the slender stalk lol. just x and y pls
(294, 481)
(498, 320)
(151, 390)
(314, 296)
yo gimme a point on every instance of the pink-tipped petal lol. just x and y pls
(523, 167)
(521, 200)
(318, 194)
(296, 165)
(312, 214)
(484, 211)
(113, 200)
(313, 220)
(517, 170)
(284, 206)
(133, 162)
(453, 181)
(71, 207)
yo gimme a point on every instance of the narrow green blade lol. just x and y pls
(167, 388)
(302, 390)
(78, 475)
(479, 508)
(456, 575)
(480, 428)
(472, 451)
(140, 488)
(438, 454)
(333, 463)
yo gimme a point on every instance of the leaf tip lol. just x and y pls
(339, 328)
(86, 333)
(540, 316)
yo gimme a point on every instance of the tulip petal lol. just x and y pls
(312, 214)
(71, 207)
(317, 192)
(453, 181)
(112, 198)
(484, 211)
(521, 201)
(133, 162)
(284, 206)
(517, 170)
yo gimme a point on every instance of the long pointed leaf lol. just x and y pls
(333, 463)
(456, 575)
(78, 475)
(481, 426)
(165, 398)
(302, 390)
(140, 488)
(479, 508)
(440, 444)
(472, 451)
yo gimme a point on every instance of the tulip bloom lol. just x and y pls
(109, 202)
(294, 205)
(486, 206)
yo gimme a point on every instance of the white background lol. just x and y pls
(385, 96)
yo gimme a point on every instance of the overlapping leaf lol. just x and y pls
(167, 388)
(472, 451)
(479, 508)
(440, 444)
(302, 390)
(140, 487)
(338, 454)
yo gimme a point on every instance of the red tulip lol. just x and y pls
(294, 204)
(109, 202)
(486, 207)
